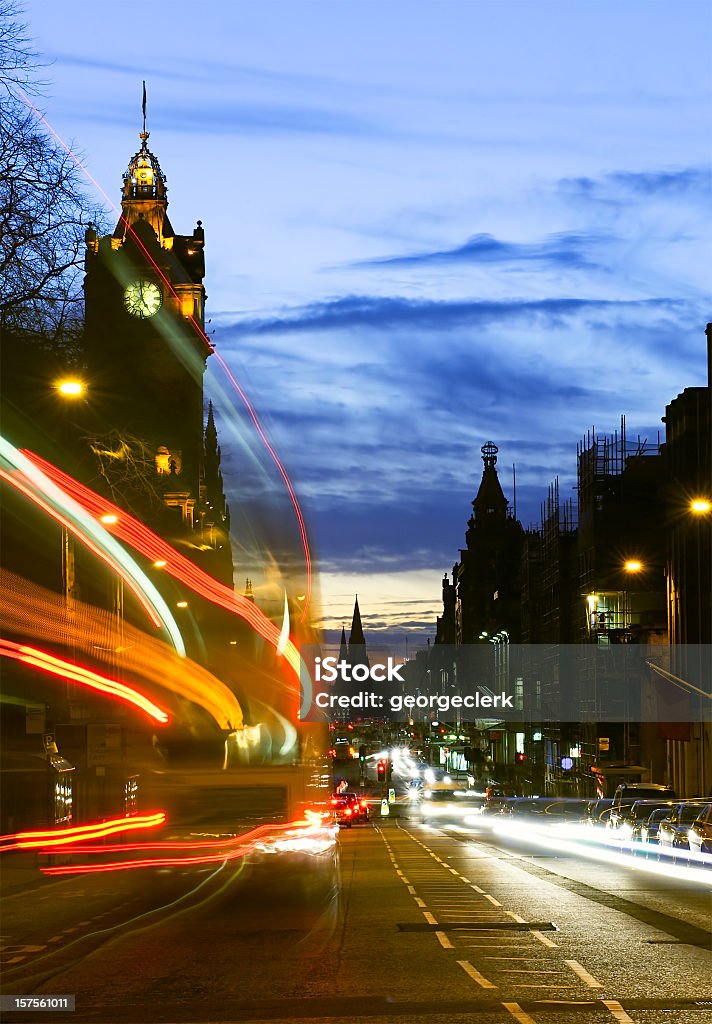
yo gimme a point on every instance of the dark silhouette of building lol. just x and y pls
(484, 596)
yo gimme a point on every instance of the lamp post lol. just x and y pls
(701, 509)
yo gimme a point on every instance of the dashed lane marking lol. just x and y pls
(544, 940)
(583, 974)
(429, 917)
(419, 902)
(617, 1011)
(475, 974)
(518, 1013)
(443, 940)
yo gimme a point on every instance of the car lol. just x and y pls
(446, 804)
(634, 817)
(649, 828)
(672, 834)
(349, 809)
(628, 792)
(359, 807)
(699, 836)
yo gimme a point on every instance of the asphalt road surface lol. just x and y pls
(400, 923)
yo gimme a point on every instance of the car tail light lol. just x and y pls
(347, 812)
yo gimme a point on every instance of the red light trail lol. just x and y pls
(14, 481)
(231, 849)
(47, 662)
(79, 833)
(144, 540)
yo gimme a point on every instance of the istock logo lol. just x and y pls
(328, 670)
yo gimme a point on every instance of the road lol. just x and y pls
(400, 923)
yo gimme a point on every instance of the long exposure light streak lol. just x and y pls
(198, 329)
(287, 482)
(142, 539)
(232, 850)
(47, 662)
(94, 636)
(49, 838)
(27, 478)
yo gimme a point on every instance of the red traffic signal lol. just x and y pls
(381, 768)
(520, 758)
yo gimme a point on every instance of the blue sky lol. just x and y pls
(427, 225)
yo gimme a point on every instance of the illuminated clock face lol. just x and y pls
(143, 299)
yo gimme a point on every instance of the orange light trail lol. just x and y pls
(145, 541)
(238, 847)
(206, 341)
(94, 638)
(79, 833)
(47, 662)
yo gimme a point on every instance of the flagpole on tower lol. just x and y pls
(144, 108)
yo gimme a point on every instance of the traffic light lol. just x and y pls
(520, 758)
(362, 753)
(381, 770)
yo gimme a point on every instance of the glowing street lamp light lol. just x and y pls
(633, 565)
(700, 506)
(70, 388)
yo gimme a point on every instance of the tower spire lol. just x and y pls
(144, 134)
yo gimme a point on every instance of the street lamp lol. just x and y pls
(700, 506)
(633, 565)
(70, 388)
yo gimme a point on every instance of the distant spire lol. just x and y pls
(356, 636)
(144, 134)
(249, 595)
(343, 648)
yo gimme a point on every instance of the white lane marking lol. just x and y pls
(453, 871)
(492, 900)
(543, 939)
(411, 890)
(406, 881)
(429, 917)
(583, 974)
(443, 940)
(465, 879)
(475, 975)
(617, 1011)
(515, 917)
(477, 889)
(518, 1013)
(419, 902)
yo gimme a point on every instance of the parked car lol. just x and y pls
(649, 828)
(627, 794)
(634, 817)
(699, 836)
(672, 834)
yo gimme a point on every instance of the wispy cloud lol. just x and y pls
(570, 249)
(387, 313)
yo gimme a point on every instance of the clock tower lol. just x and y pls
(146, 351)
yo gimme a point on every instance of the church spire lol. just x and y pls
(357, 642)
